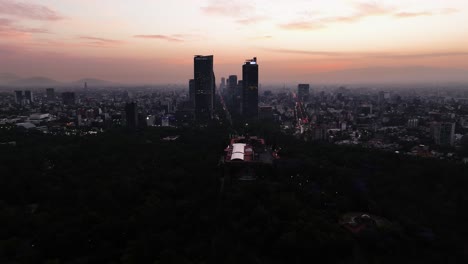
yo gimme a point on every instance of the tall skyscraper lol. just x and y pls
(50, 94)
(231, 90)
(131, 115)
(19, 97)
(204, 87)
(28, 96)
(303, 91)
(192, 91)
(68, 98)
(250, 89)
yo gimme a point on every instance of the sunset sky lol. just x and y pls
(153, 41)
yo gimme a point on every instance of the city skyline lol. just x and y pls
(154, 42)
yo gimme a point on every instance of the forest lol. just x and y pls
(132, 197)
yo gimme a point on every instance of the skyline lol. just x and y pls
(154, 41)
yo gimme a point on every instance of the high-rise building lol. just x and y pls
(204, 87)
(68, 98)
(444, 133)
(131, 115)
(222, 86)
(192, 91)
(231, 90)
(303, 91)
(28, 96)
(250, 89)
(50, 94)
(19, 97)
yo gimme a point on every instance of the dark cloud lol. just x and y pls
(27, 10)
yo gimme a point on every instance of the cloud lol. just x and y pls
(362, 11)
(244, 13)
(9, 29)
(412, 14)
(99, 42)
(223, 8)
(171, 38)
(27, 10)
(357, 55)
(251, 20)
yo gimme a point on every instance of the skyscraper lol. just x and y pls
(231, 91)
(250, 89)
(68, 98)
(28, 95)
(222, 86)
(192, 91)
(131, 115)
(19, 97)
(204, 87)
(303, 91)
(50, 94)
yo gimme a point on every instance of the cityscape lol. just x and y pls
(243, 131)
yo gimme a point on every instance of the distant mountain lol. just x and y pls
(8, 77)
(91, 83)
(414, 74)
(37, 81)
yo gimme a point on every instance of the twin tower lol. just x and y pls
(203, 90)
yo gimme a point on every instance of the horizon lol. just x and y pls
(149, 42)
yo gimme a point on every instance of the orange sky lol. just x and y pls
(148, 41)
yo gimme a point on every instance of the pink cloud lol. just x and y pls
(172, 38)
(26, 10)
(97, 41)
(9, 29)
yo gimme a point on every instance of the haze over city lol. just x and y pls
(298, 40)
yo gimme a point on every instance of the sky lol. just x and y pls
(154, 41)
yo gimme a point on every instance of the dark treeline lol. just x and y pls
(121, 197)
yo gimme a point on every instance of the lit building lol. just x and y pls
(204, 83)
(250, 89)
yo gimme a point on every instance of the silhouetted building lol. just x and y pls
(250, 89)
(192, 91)
(303, 91)
(223, 84)
(204, 87)
(265, 113)
(50, 94)
(28, 96)
(444, 134)
(68, 98)
(19, 97)
(131, 115)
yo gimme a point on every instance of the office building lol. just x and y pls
(192, 91)
(204, 82)
(68, 98)
(131, 115)
(250, 89)
(303, 92)
(50, 94)
(28, 97)
(444, 133)
(19, 97)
